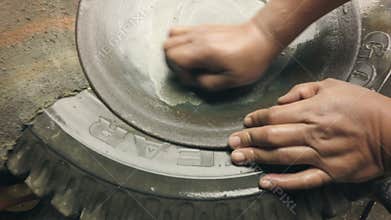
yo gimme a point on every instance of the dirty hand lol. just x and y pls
(341, 131)
(216, 57)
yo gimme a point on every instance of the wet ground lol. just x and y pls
(39, 64)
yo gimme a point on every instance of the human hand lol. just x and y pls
(216, 57)
(336, 128)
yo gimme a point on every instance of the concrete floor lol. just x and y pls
(39, 64)
(38, 61)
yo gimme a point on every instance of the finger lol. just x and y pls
(186, 78)
(186, 56)
(214, 82)
(179, 30)
(306, 179)
(300, 92)
(300, 155)
(177, 41)
(271, 136)
(184, 75)
(284, 114)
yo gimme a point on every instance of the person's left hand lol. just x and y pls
(336, 128)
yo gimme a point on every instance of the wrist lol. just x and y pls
(269, 24)
(285, 20)
(385, 130)
(264, 37)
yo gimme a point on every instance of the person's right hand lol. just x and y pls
(342, 131)
(216, 57)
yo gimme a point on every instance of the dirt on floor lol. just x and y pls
(38, 61)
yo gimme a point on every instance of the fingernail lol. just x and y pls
(238, 157)
(234, 141)
(266, 184)
(248, 121)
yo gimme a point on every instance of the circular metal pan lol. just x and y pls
(120, 46)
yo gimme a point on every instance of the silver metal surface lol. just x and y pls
(120, 46)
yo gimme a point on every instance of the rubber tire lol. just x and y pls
(59, 167)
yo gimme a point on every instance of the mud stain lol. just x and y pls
(20, 34)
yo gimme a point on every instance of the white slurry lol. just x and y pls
(143, 44)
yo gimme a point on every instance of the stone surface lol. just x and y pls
(38, 61)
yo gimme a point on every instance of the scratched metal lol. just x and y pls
(120, 46)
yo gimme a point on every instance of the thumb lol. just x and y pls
(214, 82)
(300, 92)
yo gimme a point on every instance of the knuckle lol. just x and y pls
(201, 46)
(307, 180)
(325, 131)
(200, 55)
(305, 91)
(171, 54)
(272, 115)
(315, 159)
(309, 135)
(247, 138)
(210, 85)
(312, 157)
(180, 58)
(329, 82)
(171, 32)
(282, 157)
(252, 155)
(324, 179)
(299, 86)
(314, 115)
(318, 140)
(253, 117)
(186, 59)
(296, 87)
(267, 134)
(207, 51)
(256, 117)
